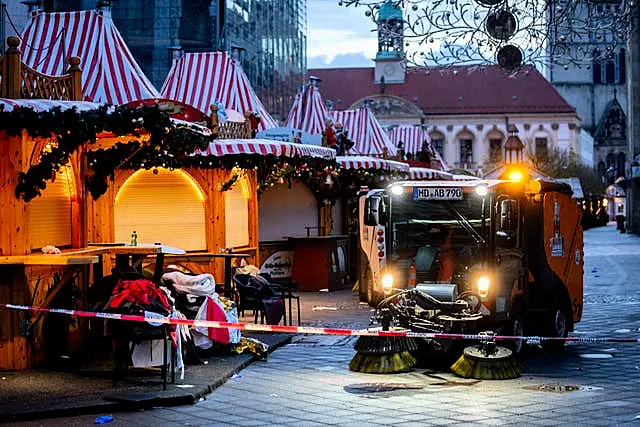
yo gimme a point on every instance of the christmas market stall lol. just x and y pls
(37, 146)
(215, 78)
(308, 115)
(365, 131)
(298, 207)
(414, 145)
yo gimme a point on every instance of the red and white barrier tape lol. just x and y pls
(253, 327)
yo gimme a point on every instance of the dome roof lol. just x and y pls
(389, 11)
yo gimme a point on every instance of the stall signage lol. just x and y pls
(286, 134)
(279, 265)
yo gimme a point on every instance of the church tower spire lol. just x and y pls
(390, 63)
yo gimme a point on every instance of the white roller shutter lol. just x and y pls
(49, 216)
(236, 208)
(167, 208)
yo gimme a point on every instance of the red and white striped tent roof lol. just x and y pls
(411, 137)
(428, 174)
(295, 113)
(308, 112)
(201, 79)
(264, 147)
(365, 162)
(110, 73)
(365, 130)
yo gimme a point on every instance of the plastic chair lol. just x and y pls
(255, 294)
(289, 291)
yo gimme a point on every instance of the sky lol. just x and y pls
(339, 36)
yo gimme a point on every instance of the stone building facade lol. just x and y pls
(596, 87)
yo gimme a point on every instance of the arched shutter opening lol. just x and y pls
(49, 216)
(167, 208)
(285, 211)
(236, 209)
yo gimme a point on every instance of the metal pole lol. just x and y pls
(3, 26)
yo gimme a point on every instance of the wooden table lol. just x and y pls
(79, 263)
(131, 257)
(23, 332)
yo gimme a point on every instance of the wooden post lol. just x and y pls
(254, 240)
(79, 202)
(325, 211)
(12, 78)
(247, 124)
(215, 123)
(76, 79)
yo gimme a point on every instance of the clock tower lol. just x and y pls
(390, 64)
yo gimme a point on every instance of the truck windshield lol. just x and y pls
(443, 239)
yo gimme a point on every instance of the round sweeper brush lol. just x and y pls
(383, 355)
(487, 362)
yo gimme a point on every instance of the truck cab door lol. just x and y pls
(509, 255)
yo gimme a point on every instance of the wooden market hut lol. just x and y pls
(57, 217)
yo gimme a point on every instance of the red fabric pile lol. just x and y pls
(142, 293)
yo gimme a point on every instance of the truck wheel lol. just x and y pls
(517, 328)
(558, 326)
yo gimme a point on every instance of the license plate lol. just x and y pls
(439, 193)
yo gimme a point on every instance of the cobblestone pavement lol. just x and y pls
(307, 383)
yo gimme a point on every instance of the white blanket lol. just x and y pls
(201, 285)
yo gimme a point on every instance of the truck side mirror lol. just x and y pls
(508, 224)
(373, 210)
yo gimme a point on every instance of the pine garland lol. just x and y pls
(170, 145)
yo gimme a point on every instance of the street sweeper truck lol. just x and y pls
(497, 255)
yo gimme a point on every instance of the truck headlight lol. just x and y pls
(387, 282)
(397, 190)
(483, 286)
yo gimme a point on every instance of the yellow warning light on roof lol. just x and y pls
(515, 175)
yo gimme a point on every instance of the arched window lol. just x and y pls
(495, 140)
(611, 168)
(165, 207)
(597, 67)
(621, 78)
(465, 149)
(437, 142)
(610, 70)
(610, 160)
(621, 166)
(602, 170)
